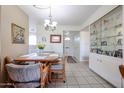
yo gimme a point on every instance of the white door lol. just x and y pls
(72, 43)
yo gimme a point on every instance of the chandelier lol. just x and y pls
(49, 24)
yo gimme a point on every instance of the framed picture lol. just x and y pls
(18, 34)
(55, 38)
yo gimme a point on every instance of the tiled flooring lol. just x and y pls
(78, 75)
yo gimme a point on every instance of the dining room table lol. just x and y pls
(35, 57)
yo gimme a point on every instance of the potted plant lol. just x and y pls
(40, 47)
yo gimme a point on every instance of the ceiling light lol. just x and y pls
(49, 24)
(67, 38)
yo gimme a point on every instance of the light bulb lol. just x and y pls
(47, 21)
(67, 38)
(54, 23)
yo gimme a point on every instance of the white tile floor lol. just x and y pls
(78, 75)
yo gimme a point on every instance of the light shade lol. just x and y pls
(67, 38)
(54, 23)
(47, 21)
(49, 25)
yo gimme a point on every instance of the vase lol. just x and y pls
(40, 51)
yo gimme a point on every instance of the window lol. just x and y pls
(32, 40)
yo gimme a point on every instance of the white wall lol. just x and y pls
(84, 44)
(76, 45)
(68, 44)
(32, 25)
(32, 31)
(12, 14)
(57, 47)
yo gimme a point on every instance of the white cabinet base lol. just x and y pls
(107, 67)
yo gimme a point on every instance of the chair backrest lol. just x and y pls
(24, 73)
(63, 61)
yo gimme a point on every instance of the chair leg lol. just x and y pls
(47, 81)
(42, 85)
(64, 77)
(50, 77)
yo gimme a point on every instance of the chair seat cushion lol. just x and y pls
(27, 85)
(56, 67)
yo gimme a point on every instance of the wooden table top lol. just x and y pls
(37, 58)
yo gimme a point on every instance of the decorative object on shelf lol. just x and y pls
(40, 46)
(118, 25)
(94, 50)
(93, 44)
(49, 24)
(104, 43)
(99, 51)
(119, 33)
(18, 34)
(119, 42)
(55, 38)
(118, 53)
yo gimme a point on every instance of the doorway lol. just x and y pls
(71, 45)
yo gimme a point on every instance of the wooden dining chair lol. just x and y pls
(58, 67)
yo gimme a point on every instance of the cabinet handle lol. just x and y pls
(97, 59)
(100, 61)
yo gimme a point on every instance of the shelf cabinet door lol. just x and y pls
(110, 68)
(95, 63)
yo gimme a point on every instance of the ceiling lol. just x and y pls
(63, 14)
